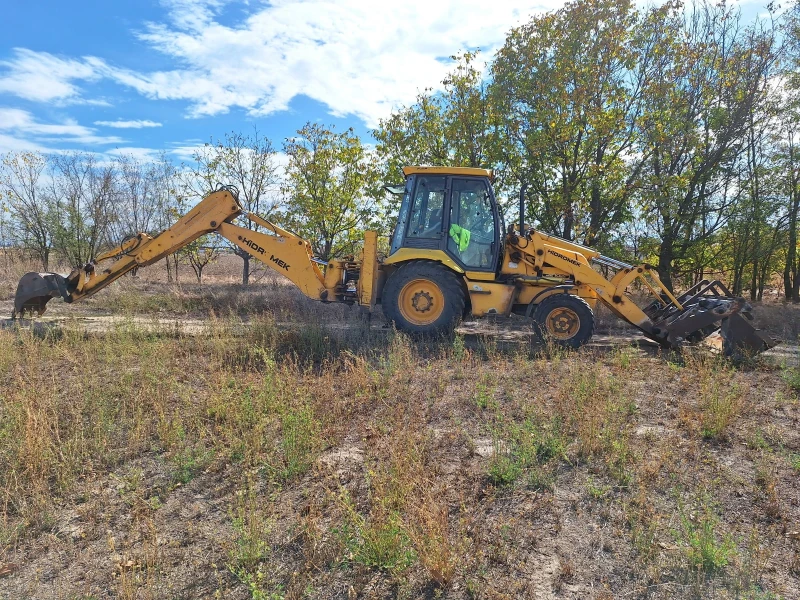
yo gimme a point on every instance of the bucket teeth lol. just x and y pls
(35, 290)
(709, 307)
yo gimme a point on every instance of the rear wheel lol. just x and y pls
(423, 298)
(564, 319)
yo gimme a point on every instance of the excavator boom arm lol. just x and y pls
(279, 249)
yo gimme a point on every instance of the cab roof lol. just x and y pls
(468, 171)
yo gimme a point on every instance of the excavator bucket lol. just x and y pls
(35, 290)
(709, 307)
(741, 339)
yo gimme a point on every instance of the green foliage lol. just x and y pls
(300, 442)
(200, 253)
(705, 548)
(331, 182)
(380, 542)
(567, 92)
(457, 127)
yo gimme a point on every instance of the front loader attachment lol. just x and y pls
(35, 290)
(706, 308)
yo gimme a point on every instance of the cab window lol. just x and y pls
(427, 208)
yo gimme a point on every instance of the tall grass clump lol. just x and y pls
(594, 407)
(720, 397)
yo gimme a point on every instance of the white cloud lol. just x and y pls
(186, 150)
(10, 143)
(355, 56)
(42, 77)
(120, 124)
(28, 131)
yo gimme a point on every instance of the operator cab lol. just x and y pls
(452, 209)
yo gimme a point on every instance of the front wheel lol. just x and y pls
(564, 319)
(423, 298)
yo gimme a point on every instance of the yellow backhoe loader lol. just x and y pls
(450, 255)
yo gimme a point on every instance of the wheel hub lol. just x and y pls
(422, 302)
(563, 323)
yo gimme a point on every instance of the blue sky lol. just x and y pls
(142, 76)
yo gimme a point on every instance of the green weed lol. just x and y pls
(791, 375)
(459, 349)
(705, 548)
(380, 542)
(251, 545)
(504, 469)
(595, 490)
(531, 446)
(189, 461)
(300, 442)
(794, 460)
(720, 405)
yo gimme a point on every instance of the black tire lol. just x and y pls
(564, 331)
(447, 305)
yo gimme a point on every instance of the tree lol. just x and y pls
(791, 184)
(790, 156)
(569, 93)
(23, 193)
(83, 194)
(139, 198)
(246, 161)
(200, 253)
(758, 221)
(457, 126)
(706, 77)
(330, 182)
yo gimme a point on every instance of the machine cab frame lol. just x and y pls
(452, 209)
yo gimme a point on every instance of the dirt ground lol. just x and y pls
(184, 441)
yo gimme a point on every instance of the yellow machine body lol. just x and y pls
(450, 255)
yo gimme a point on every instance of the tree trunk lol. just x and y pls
(790, 280)
(665, 255)
(327, 249)
(763, 276)
(791, 285)
(245, 269)
(595, 216)
(569, 221)
(175, 267)
(796, 287)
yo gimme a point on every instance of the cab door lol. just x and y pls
(473, 239)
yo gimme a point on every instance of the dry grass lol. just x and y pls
(331, 462)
